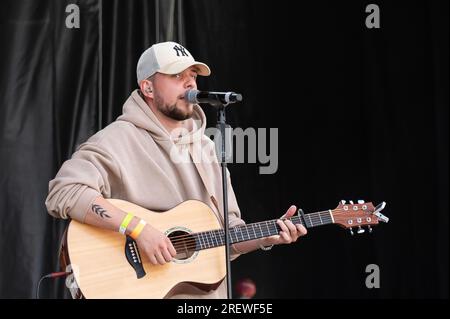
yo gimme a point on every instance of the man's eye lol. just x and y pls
(180, 76)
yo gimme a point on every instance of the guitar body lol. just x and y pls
(101, 269)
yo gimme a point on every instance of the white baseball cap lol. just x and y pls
(168, 58)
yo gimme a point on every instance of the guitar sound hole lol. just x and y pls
(184, 244)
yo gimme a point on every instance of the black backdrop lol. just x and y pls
(361, 113)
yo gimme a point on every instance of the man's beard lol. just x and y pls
(172, 111)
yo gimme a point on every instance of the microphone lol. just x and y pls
(213, 98)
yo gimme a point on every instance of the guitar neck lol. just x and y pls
(216, 238)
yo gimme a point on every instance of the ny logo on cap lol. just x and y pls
(180, 50)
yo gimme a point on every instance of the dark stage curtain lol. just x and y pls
(361, 113)
(49, 98)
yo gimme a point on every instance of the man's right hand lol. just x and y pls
(155, 245)
(152, 243)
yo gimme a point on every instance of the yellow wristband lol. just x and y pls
(125, 222)
(138, 229)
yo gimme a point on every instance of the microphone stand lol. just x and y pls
(222, 127)
(218, 101)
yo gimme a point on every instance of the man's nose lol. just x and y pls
(190, 83)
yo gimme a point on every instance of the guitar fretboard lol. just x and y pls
(216, 238)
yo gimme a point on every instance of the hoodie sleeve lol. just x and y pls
(88, 174)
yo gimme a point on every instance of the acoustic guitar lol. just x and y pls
(107, 264)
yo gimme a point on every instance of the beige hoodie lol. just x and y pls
(135, 159)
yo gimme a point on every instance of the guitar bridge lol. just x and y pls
(133, 257)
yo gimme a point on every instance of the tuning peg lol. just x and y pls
(360, 230)
(370, 229)
(343, 202)
(360, 201)
(351, 231)
(377, 213)
(351, 202)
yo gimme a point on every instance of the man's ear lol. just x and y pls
(146, 87)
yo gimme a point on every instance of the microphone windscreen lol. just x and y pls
(191, 96)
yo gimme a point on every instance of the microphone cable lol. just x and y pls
(50, 275)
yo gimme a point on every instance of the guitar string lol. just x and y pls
(213, 239)
(220, 232)
(195, 240)
(210, 242)
(193, 244)
(207, 241)
(273, 228)
(215, 230)
(315, 219)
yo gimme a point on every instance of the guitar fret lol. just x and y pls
(232, 232)
(217, 240)
(243, 234)
(268, 226)
(275, 226)
(233, 240)
(205, 243)
(310, 221)
(208, 240)
(216, 233)
(240, 232)
(214, 239)
(202, 245)
(268, 231)
(222, 237)
(218, 237)
(198, 244)
(254, 233)
(205, 237)
(248, 235)
(260, 229)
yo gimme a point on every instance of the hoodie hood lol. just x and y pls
(137, 112)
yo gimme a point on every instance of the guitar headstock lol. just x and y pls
(350, 215)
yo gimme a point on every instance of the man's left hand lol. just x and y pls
(289, 232)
